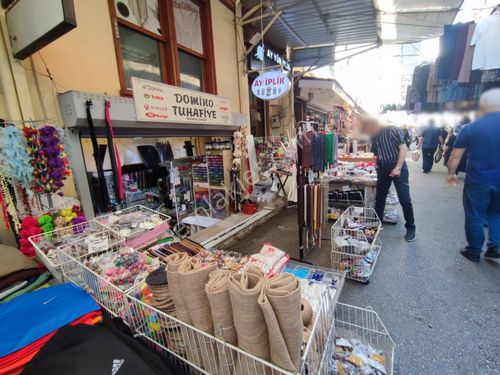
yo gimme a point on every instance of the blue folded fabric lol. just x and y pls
(36, 314)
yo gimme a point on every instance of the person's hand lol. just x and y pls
(452, 179)
(396, 172)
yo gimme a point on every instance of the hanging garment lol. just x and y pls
(114, 156)
(485, 38)
(102, 203)
(189, 148)
(446, 48)
(459, 50)
(465, 70)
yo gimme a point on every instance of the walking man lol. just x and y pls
(481, 196)
(429, 141)
(390, 150)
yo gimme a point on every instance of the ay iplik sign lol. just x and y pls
(271, 85)
(158, 102)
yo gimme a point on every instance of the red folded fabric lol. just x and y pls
(13, 364)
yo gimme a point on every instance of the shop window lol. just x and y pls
(140, 56)
(191, 71)
(146, 46)
(142, 13)
(188, 25)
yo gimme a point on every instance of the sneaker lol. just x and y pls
(471, 255)
(492, 253)
(411, 235)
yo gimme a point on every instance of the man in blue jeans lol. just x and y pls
(481, 198)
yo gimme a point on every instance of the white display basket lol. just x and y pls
(108, 295)
(72, 244)
(365, 325)
(138, 237)
(353, 250)
(204, 353)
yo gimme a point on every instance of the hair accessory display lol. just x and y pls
(14, 156)
(9, 209)
(56, 162)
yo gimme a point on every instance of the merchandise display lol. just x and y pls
(269, 260)
(467, 65)
(316, 152)
(354, 357)
(355, 243)
(55, 307)
(138, 224)
(241, 308)
(274, 152)
(76, 240)
(123, 268)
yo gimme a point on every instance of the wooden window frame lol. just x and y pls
(169, 57)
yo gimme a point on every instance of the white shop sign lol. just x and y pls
(271, 85)
(158, 102)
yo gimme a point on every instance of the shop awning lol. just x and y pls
(325, 94)
(406, 21)
(313, 28)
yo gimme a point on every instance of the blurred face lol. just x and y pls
(369, 127)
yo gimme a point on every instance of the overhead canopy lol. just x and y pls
(325, 94)
(406, 21)
(310, 26)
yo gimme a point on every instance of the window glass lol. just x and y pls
(141, 56)
(188, 25)
(143, 13)
(191, 71)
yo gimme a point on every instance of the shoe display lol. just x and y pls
(471, 255)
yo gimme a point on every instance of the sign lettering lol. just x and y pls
(158, 102)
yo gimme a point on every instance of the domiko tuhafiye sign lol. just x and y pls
(158, 102)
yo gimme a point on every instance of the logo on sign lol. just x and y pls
(271, 85)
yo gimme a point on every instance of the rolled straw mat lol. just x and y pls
(281, 303)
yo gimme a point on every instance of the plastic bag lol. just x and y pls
(415, 155)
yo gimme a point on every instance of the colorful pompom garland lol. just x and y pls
(30, 228)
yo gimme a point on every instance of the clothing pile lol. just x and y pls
(106, 348)
(353, 357)
(28, 332)
(19, 274)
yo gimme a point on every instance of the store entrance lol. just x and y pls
(178, 176)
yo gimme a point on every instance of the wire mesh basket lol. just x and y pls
(365, 325)
(111, 296)
(355, 243)
(139, 225)
(75, 239)
(207, 354)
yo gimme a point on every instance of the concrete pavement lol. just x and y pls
(442, 311)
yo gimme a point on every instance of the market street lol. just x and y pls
(441, 310)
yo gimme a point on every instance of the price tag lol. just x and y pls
(99, 244)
